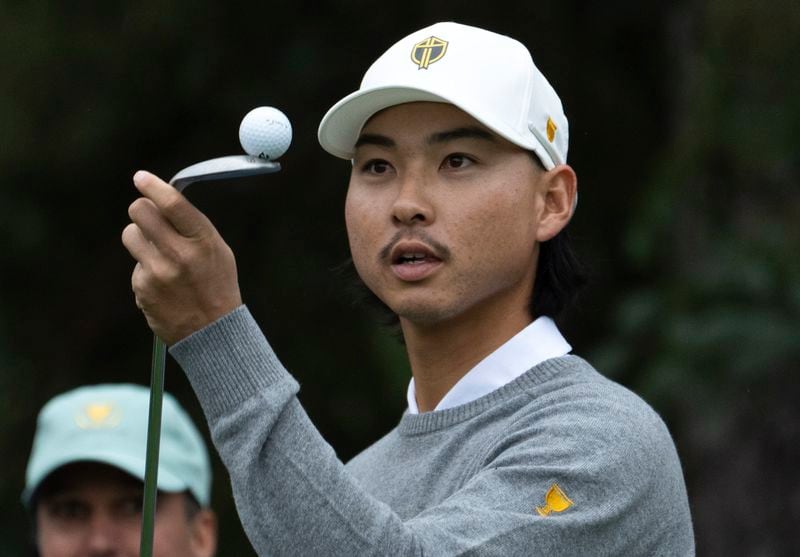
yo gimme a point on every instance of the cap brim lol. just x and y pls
(133, 465)
(342, 124)
(339, 128)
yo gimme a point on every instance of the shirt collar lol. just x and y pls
(539, 341)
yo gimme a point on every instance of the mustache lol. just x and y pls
(442, 251)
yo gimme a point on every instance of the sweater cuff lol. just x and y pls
(230, 361)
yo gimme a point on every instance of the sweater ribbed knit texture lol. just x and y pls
(468, 480)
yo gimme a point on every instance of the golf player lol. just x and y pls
(458, 198)
(85, 477)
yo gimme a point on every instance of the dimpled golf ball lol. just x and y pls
(265, 132)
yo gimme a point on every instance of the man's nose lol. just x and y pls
(413, 204)
(103, 537)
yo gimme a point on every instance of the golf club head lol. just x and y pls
(223, 168)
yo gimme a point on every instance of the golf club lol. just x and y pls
(265, 133)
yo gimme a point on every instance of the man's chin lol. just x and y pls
(422, 314)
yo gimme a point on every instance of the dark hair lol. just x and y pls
(191, 505)
(559, 273)
(559, 277)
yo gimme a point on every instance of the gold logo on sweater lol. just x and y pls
(555, 501)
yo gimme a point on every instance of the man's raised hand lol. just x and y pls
(185, 275)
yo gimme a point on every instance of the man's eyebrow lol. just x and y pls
(374, 139)
(468, 132)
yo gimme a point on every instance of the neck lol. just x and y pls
(441, 353)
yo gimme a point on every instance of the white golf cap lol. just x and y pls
(489, 76)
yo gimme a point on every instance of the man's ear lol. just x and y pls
(560, 191)
(204, 533)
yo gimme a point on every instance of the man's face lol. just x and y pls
(95, 510)
(442, 216)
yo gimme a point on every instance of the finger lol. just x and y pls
(140, 248)
(153, 225)
(184, 216)
(137, 270)
(141, 286)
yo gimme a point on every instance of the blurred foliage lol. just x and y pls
(685, 121)
(711, 335)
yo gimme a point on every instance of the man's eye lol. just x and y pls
(377, 167)
(457, 160)
(130, 506)
(67, 510)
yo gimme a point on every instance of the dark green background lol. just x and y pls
(685, 124)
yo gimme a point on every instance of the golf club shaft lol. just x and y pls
(213, 169)
(153, 445)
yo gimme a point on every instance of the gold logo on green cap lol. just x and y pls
(98, 415)
(428, 51)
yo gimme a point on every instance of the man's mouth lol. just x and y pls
(412, 260)
(412, 252)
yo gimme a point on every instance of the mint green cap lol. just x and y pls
(108, 424)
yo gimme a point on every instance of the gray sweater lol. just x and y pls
(561, 461)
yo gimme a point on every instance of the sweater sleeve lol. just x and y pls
(295, 497)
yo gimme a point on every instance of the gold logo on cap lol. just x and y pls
(555, 501)
(551, 129)
(98, 415)
(428, 51)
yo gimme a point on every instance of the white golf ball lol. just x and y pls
(265, 132)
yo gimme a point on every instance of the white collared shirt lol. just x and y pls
(539, 341)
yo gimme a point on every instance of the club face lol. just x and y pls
(223, 168)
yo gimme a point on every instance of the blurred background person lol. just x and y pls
(85, 477)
